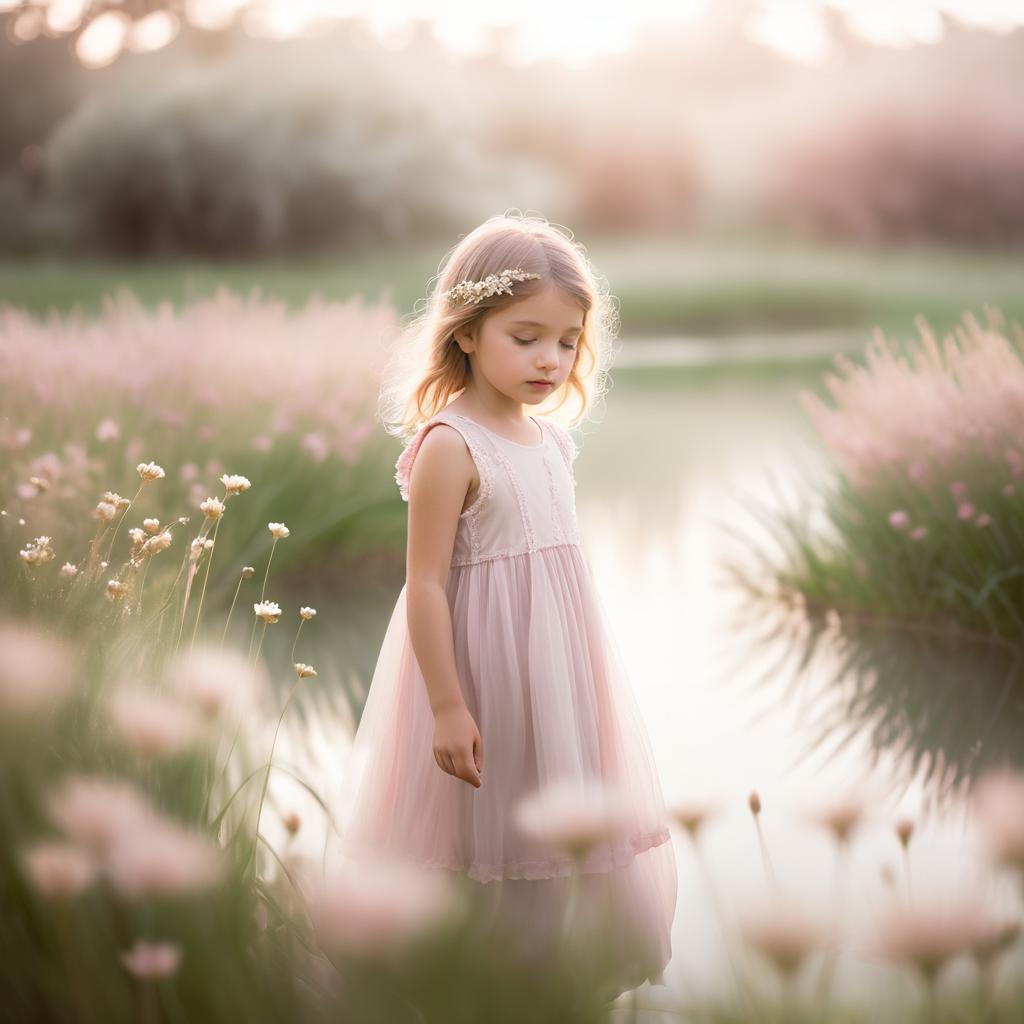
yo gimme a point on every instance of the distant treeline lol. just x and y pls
(224, 146)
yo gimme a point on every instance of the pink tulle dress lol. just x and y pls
(548, 692)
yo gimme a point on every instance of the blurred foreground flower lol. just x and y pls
(692, 815)
(163, 859)
(152, 961)
(58, 870)
(152, 724)
(219, 681)
(377, 908)
(841, 816)
(784, 931)
(143, 853)
(575, 816)
(999, 803)
(37, 670)
(926, 936)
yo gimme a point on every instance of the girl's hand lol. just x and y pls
(457, 747)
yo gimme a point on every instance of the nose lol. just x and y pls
(546, 358)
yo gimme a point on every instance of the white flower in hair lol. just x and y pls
(493, 284)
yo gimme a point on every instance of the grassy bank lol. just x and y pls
(691, 287)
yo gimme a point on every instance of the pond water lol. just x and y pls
(663, 481)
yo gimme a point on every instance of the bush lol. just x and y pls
(297, 152)
(935, 162)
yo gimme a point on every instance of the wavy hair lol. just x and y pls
(427, 369)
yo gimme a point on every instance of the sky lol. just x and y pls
(574, 32)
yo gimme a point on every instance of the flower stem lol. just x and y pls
(202, 593)
(263, 591)
(227, 622)
(270, 758)
(121, 520)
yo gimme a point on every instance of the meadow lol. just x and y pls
(175, 505)
(718, 287)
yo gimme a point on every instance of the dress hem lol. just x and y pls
(549, 867)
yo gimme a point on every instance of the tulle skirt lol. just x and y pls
(540, 675)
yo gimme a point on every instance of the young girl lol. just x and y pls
(497, 675)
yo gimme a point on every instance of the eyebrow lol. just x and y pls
(533, 323)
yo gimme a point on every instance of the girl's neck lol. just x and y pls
(505, 411)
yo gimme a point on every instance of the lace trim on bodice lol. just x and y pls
(490, 460)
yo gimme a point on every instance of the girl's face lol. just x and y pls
(532, 339)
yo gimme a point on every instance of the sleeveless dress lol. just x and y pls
(547, 690)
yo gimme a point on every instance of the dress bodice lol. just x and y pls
(526, 500)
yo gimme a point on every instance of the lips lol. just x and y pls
(540, 382)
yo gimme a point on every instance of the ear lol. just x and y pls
(464, 339)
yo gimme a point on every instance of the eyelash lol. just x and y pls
(527, 341)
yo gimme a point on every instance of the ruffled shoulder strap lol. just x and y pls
(403, 467)
(564, 440)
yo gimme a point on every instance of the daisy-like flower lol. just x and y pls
(248, 572)
(149, 471)
(151, 526)
(307, 613)
(268, 611)
(303, 671)
(38, 552)
(235, 484)
(68, 569)
(152, 961)
(198, 546)
(115, 499)
(278, 530)
(212, 508)
(105, 511)
(160, 542)
(137, 534)
(116, 590)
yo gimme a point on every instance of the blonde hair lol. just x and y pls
(427, 368)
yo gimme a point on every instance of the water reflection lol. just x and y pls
(658, 491)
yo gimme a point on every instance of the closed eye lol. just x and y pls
(529, 341)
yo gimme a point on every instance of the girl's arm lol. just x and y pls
(440, 478)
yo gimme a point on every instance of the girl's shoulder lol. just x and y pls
(403, 465)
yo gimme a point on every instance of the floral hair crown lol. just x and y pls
(493, 284)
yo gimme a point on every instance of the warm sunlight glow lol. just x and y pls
(103, 39)
(152, 32)
(795, 32)
(572, 32)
